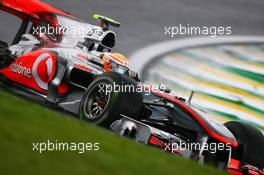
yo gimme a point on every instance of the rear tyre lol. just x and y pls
(3, 44)
(250, 144)
(5, 55)
(102, 105)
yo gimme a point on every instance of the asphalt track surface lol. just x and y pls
(143, 21)
(232, 87)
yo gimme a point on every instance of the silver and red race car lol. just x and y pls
(54, 60)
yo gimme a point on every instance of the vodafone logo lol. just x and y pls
(43, 67)
(21, 70)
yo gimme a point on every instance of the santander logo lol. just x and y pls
(38, 69)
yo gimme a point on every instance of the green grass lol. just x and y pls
(22, 123)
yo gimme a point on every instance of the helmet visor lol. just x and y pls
(118, 67)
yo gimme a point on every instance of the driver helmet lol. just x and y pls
(115, 62)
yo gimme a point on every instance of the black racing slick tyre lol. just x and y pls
(250, 144)
(103, 101)
(5, 55)
(3, 44)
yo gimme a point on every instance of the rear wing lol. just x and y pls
(29, 11)
(32, 9)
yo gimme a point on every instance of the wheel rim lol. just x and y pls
(96, 101)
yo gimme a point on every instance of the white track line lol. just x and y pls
(144, 56)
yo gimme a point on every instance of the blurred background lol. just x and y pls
(143, 22)
(228, 79)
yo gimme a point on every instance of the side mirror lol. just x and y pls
(164, 88)
(180, 98)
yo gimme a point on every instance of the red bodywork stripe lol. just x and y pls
(200, 121)
(156, 141)
(234, 167)
(29, 8)
(153, 140)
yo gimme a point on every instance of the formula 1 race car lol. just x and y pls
(51, 63)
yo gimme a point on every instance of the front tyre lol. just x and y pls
(102, 105)
(250, 144)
